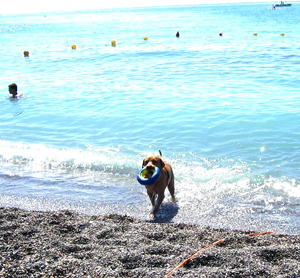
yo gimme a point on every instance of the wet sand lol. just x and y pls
(68, 244)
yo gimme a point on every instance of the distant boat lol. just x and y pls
(282, 4)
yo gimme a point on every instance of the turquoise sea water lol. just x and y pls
(225, 111)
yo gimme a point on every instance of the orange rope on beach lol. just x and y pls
(260, 234)
(206, 247)
(193, 256)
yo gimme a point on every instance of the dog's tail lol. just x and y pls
(160, 153)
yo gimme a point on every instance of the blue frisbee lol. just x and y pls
(148, 181)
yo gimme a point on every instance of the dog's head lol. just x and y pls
(151, 162)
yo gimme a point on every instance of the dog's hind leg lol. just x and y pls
(171, 188)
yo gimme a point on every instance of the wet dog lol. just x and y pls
(156, 191)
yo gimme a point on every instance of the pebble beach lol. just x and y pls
(68, 244)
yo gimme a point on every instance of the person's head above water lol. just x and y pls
(13, 89)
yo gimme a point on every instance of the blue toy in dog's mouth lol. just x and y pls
(148, 176)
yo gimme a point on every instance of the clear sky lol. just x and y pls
(31, 6)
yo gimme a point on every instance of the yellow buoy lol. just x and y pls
(26, 53)
(73, 46)
(255, 34)
(145, 38)
(113, 43)
(282, 34)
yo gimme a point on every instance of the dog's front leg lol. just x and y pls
(159, 200)
(152, 196)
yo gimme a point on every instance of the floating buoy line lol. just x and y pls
(114, 43)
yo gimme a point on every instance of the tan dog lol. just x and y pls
(156, 191)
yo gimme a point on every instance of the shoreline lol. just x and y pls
(69, 244)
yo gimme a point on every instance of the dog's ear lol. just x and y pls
(161, 163)
(144, 163)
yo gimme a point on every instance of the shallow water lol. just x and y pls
(223, 110)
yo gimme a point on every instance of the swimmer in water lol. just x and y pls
(13, 90)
